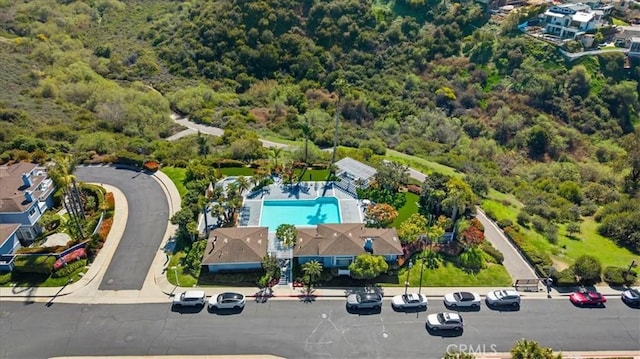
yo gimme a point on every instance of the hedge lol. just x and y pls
(564, 278)
(492, 251)
(537, 258)
(34, 264)
(41, 250)
(615, 276)
(5, 278)
(69, 268)
(226, 162)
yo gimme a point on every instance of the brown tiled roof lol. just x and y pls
(12, 188)
(345, 239)
(236, 245)
(6, 229)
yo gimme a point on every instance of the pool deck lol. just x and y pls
(250, 213)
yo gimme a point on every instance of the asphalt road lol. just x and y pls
(146, 224)
(322, 329)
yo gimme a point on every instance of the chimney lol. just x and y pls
(28, 197)
(26, 180)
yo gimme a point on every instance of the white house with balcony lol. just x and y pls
(567, 21)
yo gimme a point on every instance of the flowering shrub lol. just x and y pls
(151, 166)
(110, 201)
(70, 258)
(105, 228)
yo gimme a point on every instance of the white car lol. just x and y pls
(445, 321)
(503, 297)
(409, 301)
(190, 298)
(462, 299)
(227, 300)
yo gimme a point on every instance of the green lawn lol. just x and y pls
(590, 242)
(421, 164)
(39, 280)
(177, 274)
(409, 208)
(312, 175)
(619, 22)
(567, 249)
(448, 275)
(178, 176)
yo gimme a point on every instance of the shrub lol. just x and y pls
(151, 166)
(105, 228)
(588, 269)
(110, 201)
(226, 162)
(524, 219)
(490, 214)
(504, 223)
(564, 278)
(616, 276)
(537, 258)
(492, 251)
(472, 260)
(40, 250)
(69, 268)
(5, 278)
(34, 264)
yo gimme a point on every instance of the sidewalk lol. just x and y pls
(157, 289)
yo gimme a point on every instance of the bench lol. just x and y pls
(527, 285)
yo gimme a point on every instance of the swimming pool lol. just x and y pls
(300, 212)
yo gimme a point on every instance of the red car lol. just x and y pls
(587, 298)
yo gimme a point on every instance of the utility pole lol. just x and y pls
(406, 284)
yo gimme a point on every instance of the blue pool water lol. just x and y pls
(300, 212)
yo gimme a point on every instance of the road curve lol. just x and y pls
(145, 228)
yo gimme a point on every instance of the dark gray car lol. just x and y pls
(364, 301)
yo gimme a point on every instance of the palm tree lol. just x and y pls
(243, 184)
(203, 144)
(340, 85)
(61, 175)
(313, 269)
(529, 349)
(306, 132)
(275, 153)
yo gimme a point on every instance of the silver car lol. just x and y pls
(445, 321)
(190, 298)
(227, 300)
(364, 301)
(462, 299)
(503, 297)
(409, 301)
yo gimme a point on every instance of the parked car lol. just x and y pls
(364, 301)
(445, 321)
(190, 298)
(587, 298)
(503, 297)
(227, 300)
(631, 297)
(462, 299)
(409, 301)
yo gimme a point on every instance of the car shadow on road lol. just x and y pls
(230, 311)
(449, 333)
(187, 310)
(504, 308)
(408, 310)
(367, 311)
(462, 309)
(590, 306)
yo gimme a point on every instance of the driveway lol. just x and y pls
(146, 225)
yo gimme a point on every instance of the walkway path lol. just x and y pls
(576, 55)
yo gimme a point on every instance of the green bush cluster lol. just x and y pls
(492, 251)
(34, 264)
(564, 278)
(5, 278)
(69, 269)
(504, 223)
(616, 276)
(226, 163)
(537, 258)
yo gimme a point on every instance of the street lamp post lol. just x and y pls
(406, 284)
(421, 272)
